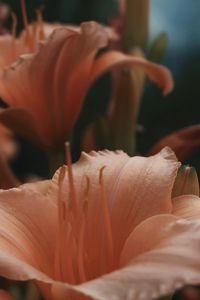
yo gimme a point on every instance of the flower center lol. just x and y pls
(78, 258)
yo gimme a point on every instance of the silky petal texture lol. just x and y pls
(25, 225)
(15, 118)
(186, 207)
(131, 185)
(155, 258)
(183, 142)
(171, 261)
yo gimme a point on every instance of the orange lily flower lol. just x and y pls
(104, 228)
(27, 42)
(46, 90)
(56, 80)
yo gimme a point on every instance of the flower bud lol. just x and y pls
(186, 182)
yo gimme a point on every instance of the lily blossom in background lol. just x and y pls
(11, 47)
(8, 147)
(5, 296)
(8, 150)
(57, 78)
(183, 142)
(115, 230)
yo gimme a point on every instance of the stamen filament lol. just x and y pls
(71, 180)
(67, 262)
(58, 258)
(25, 21)
(40, 24)
(107, 221)
(81, 262)
(13, 32)
(81, 266)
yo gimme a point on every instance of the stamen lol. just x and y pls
(71, 180)
(61, 202)
(40, 23)
(67, 261)
(86, 195)
(25, 21)
(107, 221)
(59, 243)
(13, 32)
(81, 261)
(34, 35)
(81, 266)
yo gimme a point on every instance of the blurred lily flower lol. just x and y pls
(4, 12)
(5, 296)
(113, 234)
(183, 142)
(8, 149)
(56, 80)
(11, 47)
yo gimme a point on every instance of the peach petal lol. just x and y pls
(168, 264)
(186, 207)
(172, 263)
(15, 118)
(114, 59)
(24, 226)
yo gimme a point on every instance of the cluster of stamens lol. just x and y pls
(72, 260)
(33, 34)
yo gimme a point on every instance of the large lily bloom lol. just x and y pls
(104, 228)
(46, 90)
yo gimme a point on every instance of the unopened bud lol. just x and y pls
(186, 182)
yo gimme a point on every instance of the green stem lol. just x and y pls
(136, 24)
